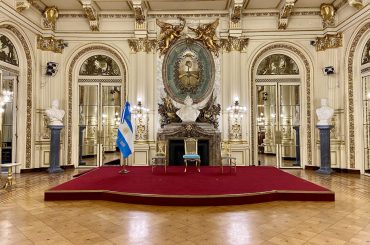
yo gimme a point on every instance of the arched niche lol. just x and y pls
(20, 64)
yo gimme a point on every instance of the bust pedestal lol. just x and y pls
(55, 149)
(297, 147)
(325, 166)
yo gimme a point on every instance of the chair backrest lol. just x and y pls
(191, 146)
(225, 149)
(161, 148)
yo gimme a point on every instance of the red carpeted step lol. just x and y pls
(210, 182)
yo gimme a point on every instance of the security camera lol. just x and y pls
(328, 70)
(313, 43)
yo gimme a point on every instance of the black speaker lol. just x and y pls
(328, 70)
(51, 68)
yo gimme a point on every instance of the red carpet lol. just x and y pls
(209, 187)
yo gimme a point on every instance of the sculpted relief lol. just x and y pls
(100, 65)
(278, 64)
(366, 54)
(8, 53)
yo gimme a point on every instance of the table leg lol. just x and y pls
(9, 180)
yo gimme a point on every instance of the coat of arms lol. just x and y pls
(187, 73)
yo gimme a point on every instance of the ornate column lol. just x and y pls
(141, 49)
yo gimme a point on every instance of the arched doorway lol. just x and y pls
(278, 111)
(100, 100)
(9, 73)
(365, 80)
(281, 82)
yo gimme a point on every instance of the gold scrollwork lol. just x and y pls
(327, 12)
(169, 34)
(206, 33)
(236, 14)
(51, 15)
(139, 15)
(233, 44)
(142, 45)
(329, 41)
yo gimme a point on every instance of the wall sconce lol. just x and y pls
(235, 117)
(139, 113)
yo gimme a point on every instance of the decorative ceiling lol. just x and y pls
(180, 5)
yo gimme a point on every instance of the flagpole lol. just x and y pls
(125, 137)
(124, 170)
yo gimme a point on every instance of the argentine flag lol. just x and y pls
(125, 133)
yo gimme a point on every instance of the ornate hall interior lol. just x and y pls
(256, 80)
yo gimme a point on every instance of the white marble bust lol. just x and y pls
(188, 112)
(54, 114)
(324, 113)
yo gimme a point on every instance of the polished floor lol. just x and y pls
(26, 219)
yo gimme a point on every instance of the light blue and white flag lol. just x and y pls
(125, 133)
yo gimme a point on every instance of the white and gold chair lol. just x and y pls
(160, 157)
(226, 157)
(191, 152)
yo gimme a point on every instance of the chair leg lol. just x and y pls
(186, 165)
(198, 166)
(165, 165)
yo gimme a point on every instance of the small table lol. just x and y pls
(9, 180)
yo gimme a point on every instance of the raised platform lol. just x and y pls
(209, 187)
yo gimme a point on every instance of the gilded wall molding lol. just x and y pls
(142, 45)
(70, 88)
(351, 110)
(308, 95)
(233, 44)
(106, 16)
(50, 44)
(329, 41)
(29, 94)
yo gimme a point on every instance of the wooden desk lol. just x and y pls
(9, 180)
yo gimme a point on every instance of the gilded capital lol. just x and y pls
(142, 45)
(329, 41)
(50, 44)
(233, 44)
